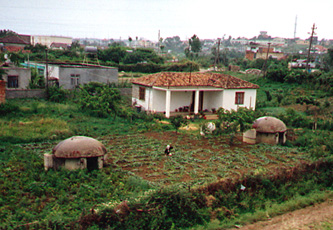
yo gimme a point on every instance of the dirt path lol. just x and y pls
(316, 217)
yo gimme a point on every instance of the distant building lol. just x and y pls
(14, 43)
(255, 51)
(16, 77)
(49, 40)
(70, 75)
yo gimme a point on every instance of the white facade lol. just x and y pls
(48, 40)
(166, 100)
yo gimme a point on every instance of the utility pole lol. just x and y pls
(309, 51)
(265, 64)
(217, 56)
(47, 73)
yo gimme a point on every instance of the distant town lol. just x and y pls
(253, 47)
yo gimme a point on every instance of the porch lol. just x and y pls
(191, 115)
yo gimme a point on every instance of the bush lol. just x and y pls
(155, 68)
(7, 108)
(57, 94)
(178, 121)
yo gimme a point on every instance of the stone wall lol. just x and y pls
(25, 93)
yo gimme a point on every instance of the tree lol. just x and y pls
(100, 99)
(4, 33)
(2, 73)
(174, 44)
(194, 48)
(234, 121)
(178, 121)
(130, 41)
(328, 60)
(114, 53)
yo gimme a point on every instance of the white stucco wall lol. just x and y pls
(53, 71)
(135, 97)
(229, 98)
(212, 99)
(158, 100)
(155, 98)
(180, 99)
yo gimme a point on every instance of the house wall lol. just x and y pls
(180, 99)
(155, 99)
(91, 74)
(229, 98)
(158, 100)
(24, 76)
(53, 71)
(212, 99)
(135, 97)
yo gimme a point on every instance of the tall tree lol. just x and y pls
(194, 48)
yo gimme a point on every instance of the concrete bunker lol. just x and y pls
(268, 130)
(77, 152)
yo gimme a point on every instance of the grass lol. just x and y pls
(137, 164)
(271, 210)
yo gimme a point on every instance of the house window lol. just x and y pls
(12, 82)
(75, 79)
(239, 99)
(142, 93)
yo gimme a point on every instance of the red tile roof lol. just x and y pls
(174, 79)
(13, 48)
(13, 39)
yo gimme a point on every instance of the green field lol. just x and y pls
(201, 180)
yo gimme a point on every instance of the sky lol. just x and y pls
(208, 19)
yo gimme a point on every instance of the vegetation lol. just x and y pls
(203, 178)
(156, 188)
(178, 121)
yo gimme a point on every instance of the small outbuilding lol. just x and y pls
(268, 130)
(77, 152)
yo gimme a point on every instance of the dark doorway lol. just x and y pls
(281, 135)
(201, 94)
(92, 163)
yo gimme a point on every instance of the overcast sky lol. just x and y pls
(144, 18)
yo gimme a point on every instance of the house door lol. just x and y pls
(92, 163)
(201, 94)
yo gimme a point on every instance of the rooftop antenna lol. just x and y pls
(295, 27)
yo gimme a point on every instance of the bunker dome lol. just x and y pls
(266, 130)
(77, 152)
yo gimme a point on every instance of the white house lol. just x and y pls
(193, 92)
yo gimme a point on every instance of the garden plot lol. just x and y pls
(195, 160)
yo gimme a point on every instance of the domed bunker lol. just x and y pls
(77, 152)
(266, 130)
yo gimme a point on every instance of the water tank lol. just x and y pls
(90, 49)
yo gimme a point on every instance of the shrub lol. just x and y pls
(7, 108)
(178, 121)
(57, 94)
